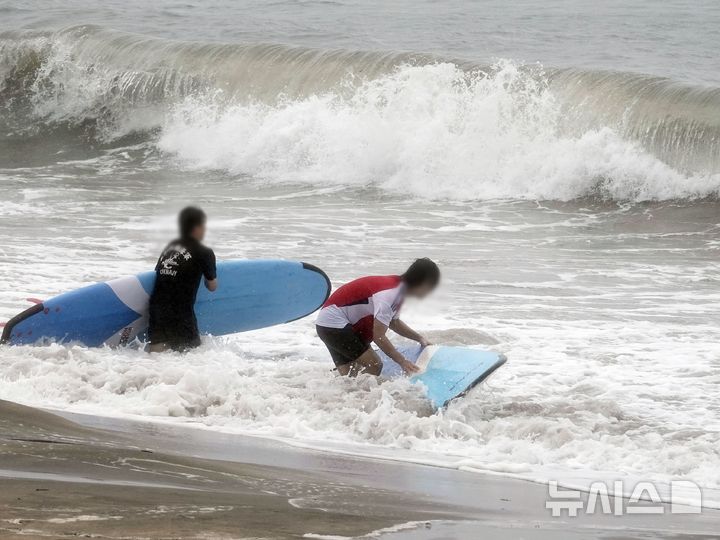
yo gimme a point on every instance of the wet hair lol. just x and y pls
(422, 272)
(190, 218)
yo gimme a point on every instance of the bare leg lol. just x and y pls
(368, 362)
(158, 347)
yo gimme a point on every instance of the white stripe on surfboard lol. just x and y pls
(128, 333)
(425, 356)
(131, 293)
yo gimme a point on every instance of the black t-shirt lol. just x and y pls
(179, 271)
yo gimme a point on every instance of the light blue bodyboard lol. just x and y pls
(251, 294)
(448, 372)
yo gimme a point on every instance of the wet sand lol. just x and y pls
(77, 475)
(62, 479)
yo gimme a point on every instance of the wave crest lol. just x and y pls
(414, 123)
(433, 131)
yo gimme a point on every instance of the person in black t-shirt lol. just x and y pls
(182, 265)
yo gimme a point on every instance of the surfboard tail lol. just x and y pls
(8, 327)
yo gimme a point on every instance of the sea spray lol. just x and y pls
(432, 126)
(432, 131)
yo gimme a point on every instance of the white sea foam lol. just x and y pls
(432, 131)
(607, 312)
(410, 525)
(545, 415)
(607, 316)
(418, 124)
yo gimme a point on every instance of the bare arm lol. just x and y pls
(381, 340)
(402, 329)
(209, 268)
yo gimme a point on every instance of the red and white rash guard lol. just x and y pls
(359, 302)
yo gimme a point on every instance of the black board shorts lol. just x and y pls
(177, 333)
(345, 345)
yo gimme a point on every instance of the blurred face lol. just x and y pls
(198, 232)
(421, 291)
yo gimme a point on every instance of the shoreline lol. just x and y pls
(61, 478)
(73, 474)
(579, 481)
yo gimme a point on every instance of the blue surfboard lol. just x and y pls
(251, 294)
(446, 372)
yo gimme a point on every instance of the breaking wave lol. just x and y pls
(412, 123)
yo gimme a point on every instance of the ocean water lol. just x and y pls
(561, 161)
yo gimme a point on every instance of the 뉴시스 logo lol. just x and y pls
(685, 498)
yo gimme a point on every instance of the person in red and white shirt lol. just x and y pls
(360, 312)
